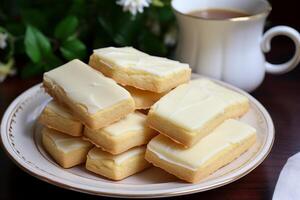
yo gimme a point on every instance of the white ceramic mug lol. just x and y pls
(230, 49)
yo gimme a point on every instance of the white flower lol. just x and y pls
(134, 6)
(3, 38)
(170, 37)
(7, 69)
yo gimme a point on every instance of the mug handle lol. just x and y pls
(266, 47)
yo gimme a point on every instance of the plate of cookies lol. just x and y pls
(128, 124)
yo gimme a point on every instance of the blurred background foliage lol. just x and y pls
(44, 34)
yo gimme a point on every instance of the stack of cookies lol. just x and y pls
(92, 115)
(99, 116)
(199, 131)
(61, 135)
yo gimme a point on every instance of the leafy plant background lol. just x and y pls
(45, 34)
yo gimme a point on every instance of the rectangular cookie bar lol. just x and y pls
(226, 143)
(95, 99)
(129, 66)
(143, 99)
(116, 138)
(117, 167)
(60, 118)
(193, 110)
(66, 150)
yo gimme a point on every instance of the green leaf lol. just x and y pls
(157, 3)
(19, 47)
(73, 48)
(15, 28)
(48, 63)
(166, 14)
(36, 44)
(66, 28)
(51, 62)
(121, 27)
(31, 69)
(35, 18)
(102, 40)
(127, 29)
(106, 25)
(79, 8)
(152, 44)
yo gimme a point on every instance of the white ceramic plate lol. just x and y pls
(20, 136)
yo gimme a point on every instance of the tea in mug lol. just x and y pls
(218, 14)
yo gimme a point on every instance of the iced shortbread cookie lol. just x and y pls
(95, 99)
(143, 99)
(193, 110)
(116, 138)
(129, 66)
(117, 167)
(66, 150)
(59, 118)
(227, 142)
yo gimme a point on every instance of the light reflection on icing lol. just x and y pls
(224, 138)
(64, 142)
(193, 104)
(133, 122)
(87, 86)
(128, 57)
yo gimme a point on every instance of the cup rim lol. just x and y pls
(264, 13)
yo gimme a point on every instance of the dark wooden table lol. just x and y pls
(279, 94)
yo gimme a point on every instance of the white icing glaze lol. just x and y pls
(58, 109)
(229, 134)
(130, 58)
(194, 104)
(98, 154)
(64, 142)
(87, 86)
(132, 122)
